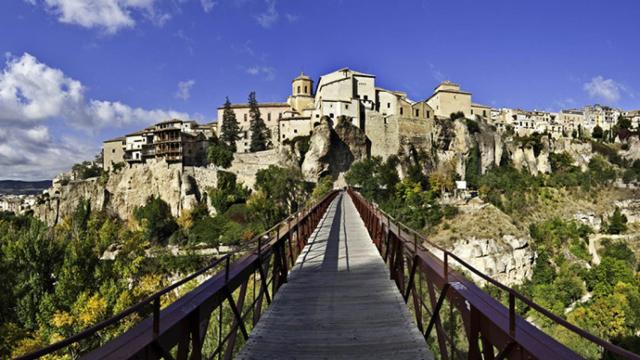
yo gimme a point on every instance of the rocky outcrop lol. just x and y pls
(580, 152)
(487, 239)
(508, 260)
(633, 148)
(181, 187)
(524, 156)
(332, 150)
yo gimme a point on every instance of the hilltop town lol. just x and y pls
(377, 111)
(366, 121)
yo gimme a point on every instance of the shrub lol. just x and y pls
(220, 155)
(156, 219)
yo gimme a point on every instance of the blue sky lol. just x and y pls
(77, 72)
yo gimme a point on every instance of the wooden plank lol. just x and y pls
(339, 302)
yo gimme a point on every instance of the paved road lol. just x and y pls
(339, 302)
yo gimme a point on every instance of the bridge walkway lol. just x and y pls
(339, 302)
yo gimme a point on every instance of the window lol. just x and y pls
(317, 115)
(245, 117)
(331, 115)
(484, 112)
(113, 150)
(295, 131)
(279, 115)
(471, 111)
(346, 106)
(305, 89)
(417, 112)
(388, 105)
(269, 117)
(366, 97)
(428, 113)
(298, 89)
(401, 110)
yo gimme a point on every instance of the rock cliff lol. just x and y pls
(485, 237)
(332, 150)
(128, 188)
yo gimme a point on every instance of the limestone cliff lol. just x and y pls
(128, 188)
(485, 237)
(332, 150)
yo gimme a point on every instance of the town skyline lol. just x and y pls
(66, 92)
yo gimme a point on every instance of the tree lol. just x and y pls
(259, 132)
(230, 129)
(623, 123)
(473, 168)
(597, 133)
(220, 154)
(617, 222)
(155, 217)
(284, 186)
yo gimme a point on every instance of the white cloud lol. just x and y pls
(207, 5)
(108, 15)
(184, 89)
(436, 73)
(32, 96)
(270, 16)
(267, 72)
(604, 89)
(292, 18)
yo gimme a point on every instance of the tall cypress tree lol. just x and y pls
(230, 131)
(259, 132)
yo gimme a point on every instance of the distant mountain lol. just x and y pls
(17, 187)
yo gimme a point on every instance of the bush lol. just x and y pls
(617, 223)
(220, 155)
(156, 219)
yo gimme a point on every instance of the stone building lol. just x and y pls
(176, 141)
(447, 98)
(112, 152)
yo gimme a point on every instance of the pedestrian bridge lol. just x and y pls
(339, 280)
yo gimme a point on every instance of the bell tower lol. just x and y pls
(301, 93)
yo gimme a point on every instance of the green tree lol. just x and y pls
(623, 123)
(597, 133)
(617, 223)
(284, 186)
(323, 187)
(220, 154)
(230, 128)
(35, 256)
(227, 192)
(473, 168)
(260, 134)
(156, 219)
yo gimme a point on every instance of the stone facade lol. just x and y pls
(112, 152)
(447, 98)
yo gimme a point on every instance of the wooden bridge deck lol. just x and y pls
(339, 302)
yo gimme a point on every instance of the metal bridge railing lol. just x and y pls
(489, 329)
(206, 322)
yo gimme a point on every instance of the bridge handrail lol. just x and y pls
(513, 294)
(261, 250)
(155, 298)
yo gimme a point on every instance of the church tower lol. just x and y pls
(301, 93)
